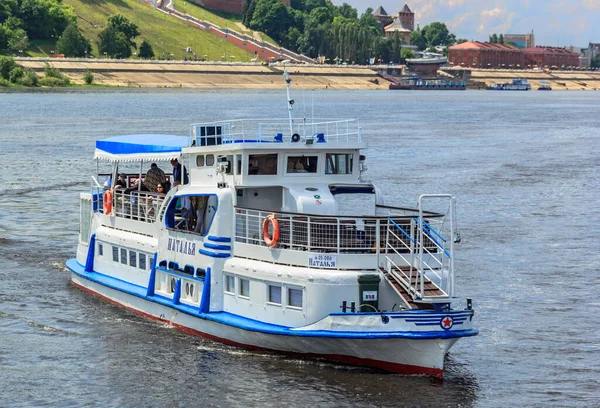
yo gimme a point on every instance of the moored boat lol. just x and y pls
(545, 86)
(514, 85)
(416, 83)
(254, 248)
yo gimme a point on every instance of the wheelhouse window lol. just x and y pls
(302, 164)
(200, 160)
(262, 164)
(294, 297)
(339, 163)
(210, 160)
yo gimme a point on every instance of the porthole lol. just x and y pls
(172, 285)
(192, 290)
(187, 288)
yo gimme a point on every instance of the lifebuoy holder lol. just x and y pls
(295, 137)
(270, 220)
(107, 207)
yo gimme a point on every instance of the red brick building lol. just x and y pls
(228, 6)
(477, 54)
(550, 57)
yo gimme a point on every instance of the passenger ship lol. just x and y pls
(256, 251)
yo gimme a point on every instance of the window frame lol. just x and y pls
(269, 299)
(241, 288)
(226, 287)
(289, 297)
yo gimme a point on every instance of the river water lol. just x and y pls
(525, 168)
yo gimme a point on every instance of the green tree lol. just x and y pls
(437, 34)
(17, 40)
(146, 50)
(116, 39)
(7, 64)
(8, 8)
(494, 39)
(501, 39)
(123, 25)
(113, 43)
(72, 43)
(271, 17)
(595, 63)
(15, 75)
(347, 11)
(407, 53)
(45, 18)
(417, 39)
(88, 77)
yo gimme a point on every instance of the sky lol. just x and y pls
(554, 22)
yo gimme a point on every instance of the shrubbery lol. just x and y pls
(15, 75)
(88, 77)
(53, 77)
(30, 78)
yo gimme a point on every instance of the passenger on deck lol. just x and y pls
(154, 177)
(121, 182)
(177, 168)
(152, 204)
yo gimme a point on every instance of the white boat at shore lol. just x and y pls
(255, 250)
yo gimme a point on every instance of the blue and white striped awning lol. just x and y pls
(149, 147)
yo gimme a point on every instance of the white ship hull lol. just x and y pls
(403, 356)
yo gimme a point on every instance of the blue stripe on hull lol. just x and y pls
(249, 324)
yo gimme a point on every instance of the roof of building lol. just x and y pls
(405, 9)
(396, 25)
(380, 12)
(476, 45)
(548, 50)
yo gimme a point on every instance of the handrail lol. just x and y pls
(401, 229)
(96, 181)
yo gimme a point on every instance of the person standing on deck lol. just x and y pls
(154, 177)
(177, 168)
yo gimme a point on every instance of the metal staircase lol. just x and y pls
(420, 263)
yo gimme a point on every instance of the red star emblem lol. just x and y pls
(447, 322)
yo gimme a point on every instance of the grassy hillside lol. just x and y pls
(225, 20)
(168, 36)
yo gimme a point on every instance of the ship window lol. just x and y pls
(115, 254)
(262, 164)
(339, 163)
(123, 256)
(229, 284)
(275, 294)
(210, 160)
(238, 160)
(244, 287)
(294, 297)
(192, 290)
(172, 285)
(193, 213)
(142, 261)
(302, 164)
(100, 250)
(200, 160)
(132, 258)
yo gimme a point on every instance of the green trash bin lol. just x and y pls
(368, 292)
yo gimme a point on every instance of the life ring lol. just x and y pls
(107, 202)
(271, 242)
(295, 137)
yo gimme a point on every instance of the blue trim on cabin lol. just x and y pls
(213, 254)
(152, 279)
(219, 239)
(261, 327)
(219, 247)
(205, 301)
(89, 261)
(177, 292)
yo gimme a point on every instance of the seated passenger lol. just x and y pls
(121, 182)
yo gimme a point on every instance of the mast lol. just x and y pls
(288, 82)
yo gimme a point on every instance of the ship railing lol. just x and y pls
(348, 242)
(276, 130)
(136, 205)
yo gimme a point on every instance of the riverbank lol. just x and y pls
(192, 74)
(188, 74)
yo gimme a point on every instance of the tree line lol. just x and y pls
(318, 28)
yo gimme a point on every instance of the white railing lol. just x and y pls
(321, 233)
(136, 205)
(276, 130)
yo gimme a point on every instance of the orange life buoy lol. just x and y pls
(107, 202)
(271, 242)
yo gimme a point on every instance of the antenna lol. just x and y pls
(288, 82)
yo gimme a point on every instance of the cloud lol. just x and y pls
(495, 12)
(451, 3)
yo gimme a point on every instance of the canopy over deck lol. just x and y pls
(148, 147)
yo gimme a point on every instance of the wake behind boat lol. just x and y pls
(255, 248)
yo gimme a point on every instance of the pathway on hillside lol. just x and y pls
(253, 44)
